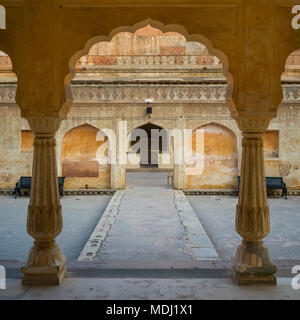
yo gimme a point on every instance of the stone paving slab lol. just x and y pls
(99, 234)
(154, 227)
(147, 231)
(198, 240)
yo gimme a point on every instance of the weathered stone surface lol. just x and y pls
(252, 264)
(253, 52)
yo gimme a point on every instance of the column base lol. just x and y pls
(44, 276)
(252, 265)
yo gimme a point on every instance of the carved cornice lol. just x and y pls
(139, 93)
(134, 93)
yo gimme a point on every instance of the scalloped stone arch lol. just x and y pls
(163, 28)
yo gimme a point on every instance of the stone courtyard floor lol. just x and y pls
(80, 215)
(217, 214)
(149, 242)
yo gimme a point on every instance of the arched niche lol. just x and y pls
(140, 29)
(80, 164)
(220, 159)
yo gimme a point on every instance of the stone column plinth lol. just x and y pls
(45, 264)
(252, 263)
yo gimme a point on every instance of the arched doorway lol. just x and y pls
(149, 141)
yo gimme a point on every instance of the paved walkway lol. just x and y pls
(149, 227)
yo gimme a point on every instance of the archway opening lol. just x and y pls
(150, 142)
(149, 157)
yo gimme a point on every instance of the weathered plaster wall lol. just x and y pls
(14, 163)
(288, 124)
(27, 141)
(220, 159)
(79, 159)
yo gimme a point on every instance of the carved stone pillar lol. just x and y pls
(45, 264)
(252, 263)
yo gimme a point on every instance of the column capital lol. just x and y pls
(42, 125)
(253, 121)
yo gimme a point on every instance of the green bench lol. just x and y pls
(25, 184)
(272, 183)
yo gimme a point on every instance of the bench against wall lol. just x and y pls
(271, 184)
(25, 184)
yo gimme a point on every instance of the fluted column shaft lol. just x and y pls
(252, 263)
(45, 264)
(252, 212)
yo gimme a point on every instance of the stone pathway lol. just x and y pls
(149, 227)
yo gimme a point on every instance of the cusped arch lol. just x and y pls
(163, 28)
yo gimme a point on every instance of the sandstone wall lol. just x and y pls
(222, 143)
